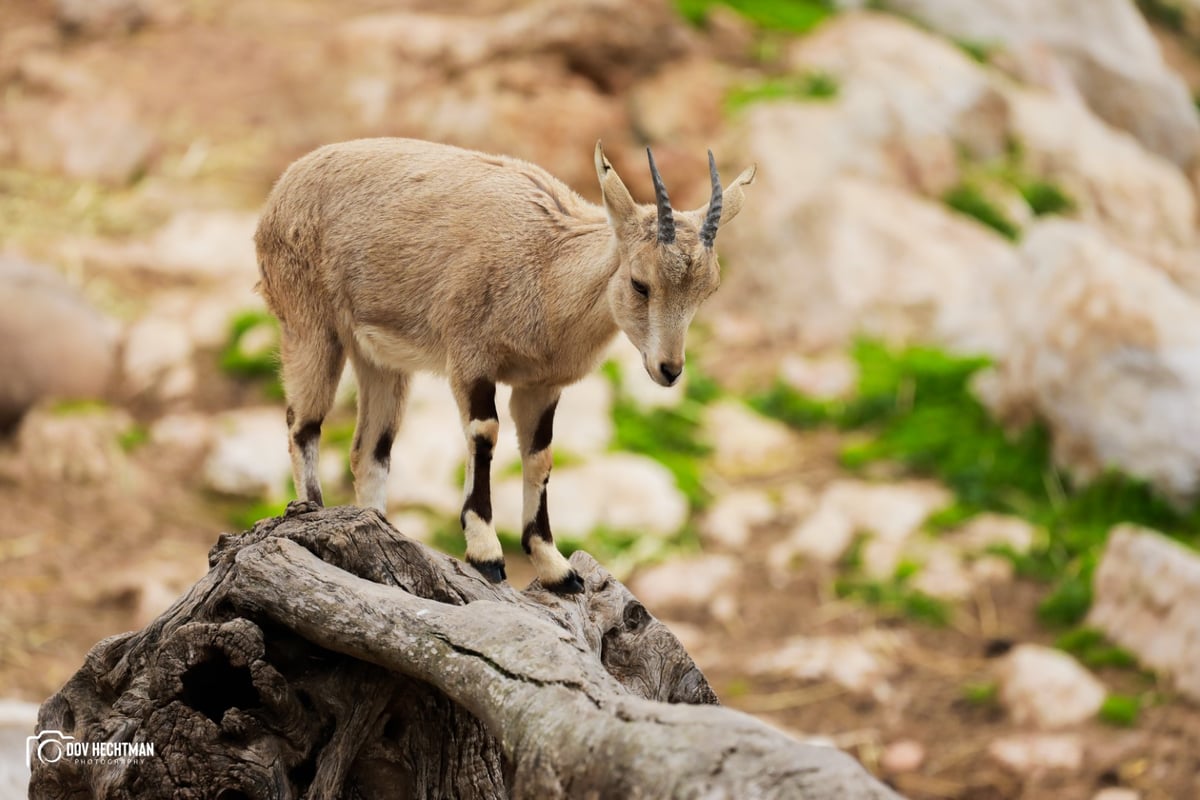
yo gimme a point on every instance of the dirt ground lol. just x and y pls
(82, 560)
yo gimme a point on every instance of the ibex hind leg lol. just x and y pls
(381, 397)
(476, 399)
(312, 366)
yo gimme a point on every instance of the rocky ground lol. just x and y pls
(837, 524)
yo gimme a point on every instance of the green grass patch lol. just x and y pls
(894, 597)
(787, 16)
(808, 86)
(1094, 650)
(1045, 197)
(976, 50)
(673, 436)
(259, 363)
(918, 409)
(985, 694)
(969, 199)
(133, 438)
(1121, 710)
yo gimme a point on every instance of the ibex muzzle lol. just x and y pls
(404, 255)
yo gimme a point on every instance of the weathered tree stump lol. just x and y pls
(325, 655)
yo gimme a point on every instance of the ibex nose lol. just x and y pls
(671, 370)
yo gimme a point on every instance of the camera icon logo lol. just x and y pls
(50, 747)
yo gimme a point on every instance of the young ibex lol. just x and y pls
(406, 255)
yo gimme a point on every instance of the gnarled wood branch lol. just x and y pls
(327, 656)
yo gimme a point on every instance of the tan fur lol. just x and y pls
(406, 255)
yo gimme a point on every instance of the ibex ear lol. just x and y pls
(618, 203)
(734, 196)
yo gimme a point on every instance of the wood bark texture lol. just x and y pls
(325, 655)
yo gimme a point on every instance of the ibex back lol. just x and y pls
(405, 255)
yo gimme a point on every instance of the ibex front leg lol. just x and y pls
(477, 405)
(533, 410)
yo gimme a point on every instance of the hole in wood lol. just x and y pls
(213, 686)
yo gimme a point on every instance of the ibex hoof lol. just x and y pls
(492, 570)
(571, 584)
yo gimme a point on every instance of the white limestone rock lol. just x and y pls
(1048, 688)
(1147, 590)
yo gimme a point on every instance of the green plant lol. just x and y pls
(1121, 710)
(1045, 197)
(895, 597)
(977, 50)
(969, 199)
(1093, 650)
(673, 436)
(981, 694)
(260, 363)
(808, 86)
(133, 438)
(919, 410)
(789, 16)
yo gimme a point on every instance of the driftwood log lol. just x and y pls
(325, 655)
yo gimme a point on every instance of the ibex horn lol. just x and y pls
(708, 231)
(666, 220)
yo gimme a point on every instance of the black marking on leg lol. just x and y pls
(314, 492)
(481, 402)
(492, 570)
(383, 448)
(539, 526)
(291, 417)
(480, 498)
(544, 433)
(571, 584)
(308, 432)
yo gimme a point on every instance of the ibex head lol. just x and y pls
(668, 263)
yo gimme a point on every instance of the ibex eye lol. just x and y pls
(641, 288)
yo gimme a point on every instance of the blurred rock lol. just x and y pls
(430, 448)
(745, 442)
(734, 515)
(157, 359)
(943, 575)
(907, 104)
(888, 513)
(988, 530)
(619, 492)
(100, 17)
(1104, 350)
(249, 456)
(868, 258)
(74, 445)
(861, 662)
(56, 346)
(679, 107)
(1048, 688)
(905, 755)
(1029, 752)
(476, 81)
(1138, 198)
(92, 134)
(1117, 793)
(18, 720)
(1104, 46)
(686, 583)
(193, 246)
(830, 377)
(187, 434)
(608, 41)
(1147, 590)
(585, 416)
